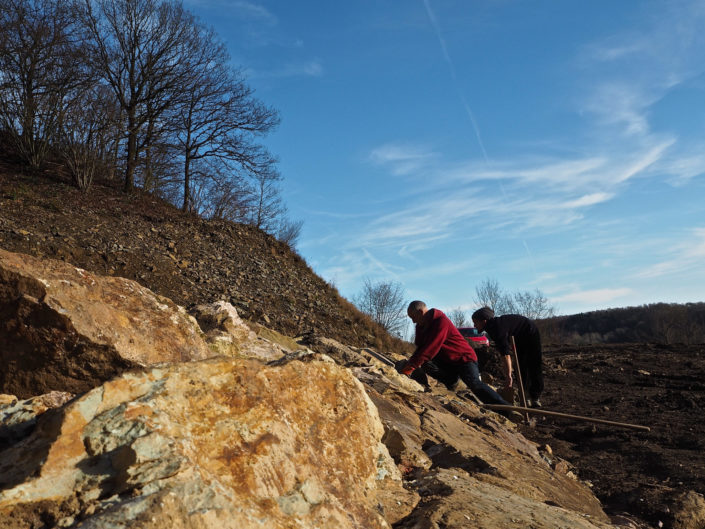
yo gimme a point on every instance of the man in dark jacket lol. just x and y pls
(444, 354)
(528, 343)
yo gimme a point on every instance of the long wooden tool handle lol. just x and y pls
(566, 415)
(518, 370)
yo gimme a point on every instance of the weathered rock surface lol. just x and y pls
(439, 430)
(689, 511)
(68, 330)
(453, 499)
(18, 417)
(425, 431)
(226, 443)
(227, 335)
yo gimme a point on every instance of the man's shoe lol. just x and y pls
(514, 416)
(453, 386)
(534, 403)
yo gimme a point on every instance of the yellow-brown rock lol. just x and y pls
(221, 443)
(453, 499)
(69, 330)
(227, 335)
(456, 435)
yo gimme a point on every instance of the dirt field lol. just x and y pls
(660, 386)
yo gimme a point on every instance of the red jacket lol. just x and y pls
(438, 336)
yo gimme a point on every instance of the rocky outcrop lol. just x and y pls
(219, 443)
(269, 433)
(227, 335)
(454, 499)
(68, 330)
(441, 431)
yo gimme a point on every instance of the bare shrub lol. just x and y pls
(384, 302)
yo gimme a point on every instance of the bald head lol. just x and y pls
(416, 311)
(416, 305)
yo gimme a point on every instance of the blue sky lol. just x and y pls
(557, 145)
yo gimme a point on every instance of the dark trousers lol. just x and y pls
(530, 364)
(448, 373)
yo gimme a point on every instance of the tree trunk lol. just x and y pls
(131, 152)
(187, 182)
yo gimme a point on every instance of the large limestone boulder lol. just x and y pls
(69, 330)
(227, 335)
(222, 443)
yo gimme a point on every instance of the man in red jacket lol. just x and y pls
(444, 353)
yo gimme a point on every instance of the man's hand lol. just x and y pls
(509, 382)
(404, 368)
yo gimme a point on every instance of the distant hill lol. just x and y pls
(181, 256)
(656, 323)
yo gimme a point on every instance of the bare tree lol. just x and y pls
(218, 116)
(41, 62)
(216, 192)
(88, 125)
(459, 317)
(137, 46)
(489, 294)
(534, 305)
(265, 203)
(384, 302)
(289, 231)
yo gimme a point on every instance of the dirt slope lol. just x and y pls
(187, 259)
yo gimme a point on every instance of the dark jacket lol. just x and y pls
(437, 336)
(502, 327)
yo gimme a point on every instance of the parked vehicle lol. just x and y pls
(481, 344)
(474, 338)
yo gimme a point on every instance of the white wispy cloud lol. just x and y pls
(621, 104)
(254, 10)
(587, 200)
(401, 159)
(604, 171)
(244, 9)
(311, 68)
(686, 255)
(633, 70)
(681, 169)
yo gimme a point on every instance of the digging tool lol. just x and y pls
(537, 411)
(379, 356)
(522, 395)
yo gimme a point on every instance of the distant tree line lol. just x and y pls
(142, 92)
(656, 323)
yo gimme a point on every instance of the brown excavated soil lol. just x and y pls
(659, 386)
(195, 261)
(180, 256)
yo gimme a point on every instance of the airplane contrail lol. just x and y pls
(466, 105)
